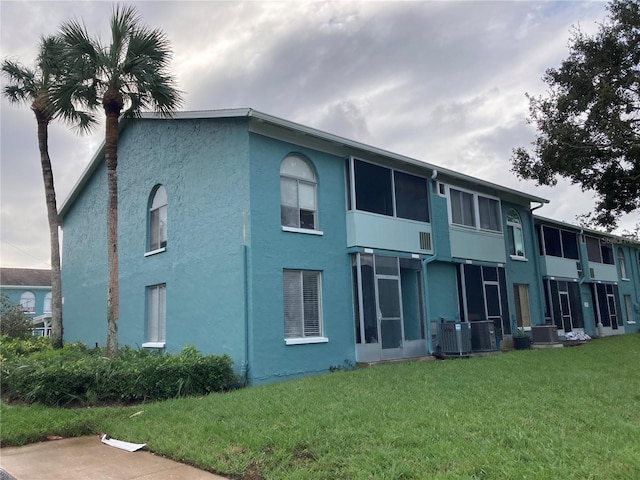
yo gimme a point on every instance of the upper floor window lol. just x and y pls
(298, 204)
(516, 237)
(599, 251)
(47, 303)
(385, 191)
(28, 302)
(557, 243)
(158, 219)
(621, 265)
(473, 210)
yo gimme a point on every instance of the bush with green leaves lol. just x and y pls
(13, 322)
(76, 375)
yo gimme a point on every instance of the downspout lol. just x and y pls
(539, 282)
(425, 262)
(244, 371)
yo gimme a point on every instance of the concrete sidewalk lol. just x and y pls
(87, 457)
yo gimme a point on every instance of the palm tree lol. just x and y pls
(125, 77)
(35, 86)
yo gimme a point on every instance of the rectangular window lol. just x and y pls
(411, 197)
(569, 244)
(628, 306)
(156, 313)
(302, 300)
(593, 250)
(489, 212)
(552, 243)
(373, 188)
(388, 192)
(607, 253)
(462, 208)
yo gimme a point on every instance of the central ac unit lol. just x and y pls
(454, 338)
(544, 334)
(483, 336)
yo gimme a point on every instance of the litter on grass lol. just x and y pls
(129, 447)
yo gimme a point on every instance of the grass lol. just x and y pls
(538, 414)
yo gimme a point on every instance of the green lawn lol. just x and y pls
(561, 413)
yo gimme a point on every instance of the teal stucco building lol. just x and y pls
(294, 250)
(31, 289)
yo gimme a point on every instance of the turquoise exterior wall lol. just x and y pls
(204, 168)
(524, 272)
(14, 294)
(273, 249)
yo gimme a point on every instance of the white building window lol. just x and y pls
(302, 304)
(516, 237)
(28, 302)
(47, 303)
(470, 209)
(158, 219)
(156, 315)
(298, 184)
(622, 268)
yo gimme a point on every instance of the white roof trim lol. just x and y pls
(296, 127)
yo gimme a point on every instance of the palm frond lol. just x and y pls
(23, 82)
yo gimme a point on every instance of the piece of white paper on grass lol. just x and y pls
(129, 447)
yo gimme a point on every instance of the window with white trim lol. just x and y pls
(28, 302)
(628, 306)
(47, 303)
(158, 219)
(156, 314)
(516, 237)
(622, 268)
(473, 210)
(302, 304)
(298, 205)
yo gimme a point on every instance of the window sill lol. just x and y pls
(302, 341)
(153, 345)
(302, 230)
(631, 322)
(471, 228)
(518, 258)
(155, 252)
(625, 279)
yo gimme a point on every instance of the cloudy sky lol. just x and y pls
(442, 82)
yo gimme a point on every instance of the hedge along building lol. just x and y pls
(591, 279)
(290, 249)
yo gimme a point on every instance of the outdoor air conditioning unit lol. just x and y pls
(454, 338)
(483, 336)
(544, 334)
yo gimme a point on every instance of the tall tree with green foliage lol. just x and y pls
(589, 122)
(36, 86)
(123, 78)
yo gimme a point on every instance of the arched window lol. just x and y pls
(28, 302)
(516, 237)
(158, 219)
(47, 303)
(298, 193)
(622, 268)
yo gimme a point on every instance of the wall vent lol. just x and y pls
(592, 273)
(425, 241)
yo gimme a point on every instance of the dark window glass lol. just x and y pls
(552, 241)
(539, 236)
(411, 197)
(603, 305)
(373, 188)
(555, 305)
(576, 305)
(607, 253)
(474, 292)
(569, 244)
(506, 321)
(493, 300)
(490, 274)
(593, 250)
(369, 300)
(348, 177)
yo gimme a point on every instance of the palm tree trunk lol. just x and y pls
(54, 223)
(113, 301)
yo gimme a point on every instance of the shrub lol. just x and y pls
(75, 374)
(13, 321)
